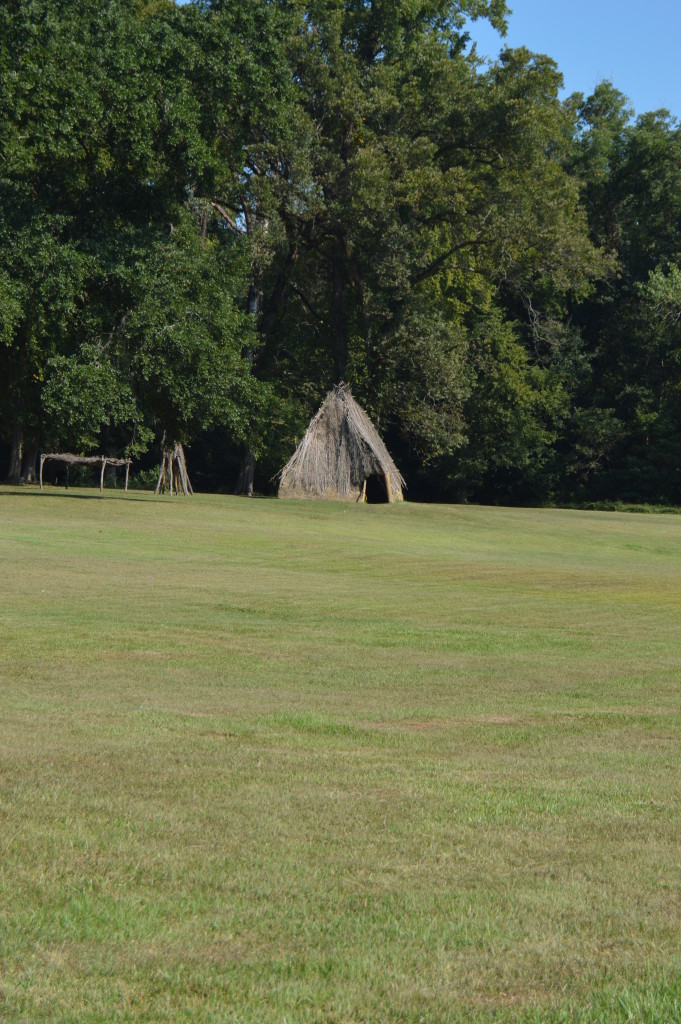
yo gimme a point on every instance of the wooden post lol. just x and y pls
(42, 459)
(101, 477)
(127, 472)
(160, 474)
(388, 487)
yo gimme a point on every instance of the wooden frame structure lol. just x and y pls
(173, 471)
(85, 460)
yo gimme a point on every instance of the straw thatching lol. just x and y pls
(341, 457)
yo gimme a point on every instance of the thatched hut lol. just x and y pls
(341, 457)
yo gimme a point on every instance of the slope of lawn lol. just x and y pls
(295, 762)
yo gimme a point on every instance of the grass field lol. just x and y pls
(285, 762)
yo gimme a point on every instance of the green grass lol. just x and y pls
(290, 762)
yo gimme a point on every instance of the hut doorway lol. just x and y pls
(376, 492)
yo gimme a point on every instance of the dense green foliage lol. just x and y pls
(211, 213)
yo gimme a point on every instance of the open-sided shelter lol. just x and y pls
(341, 457)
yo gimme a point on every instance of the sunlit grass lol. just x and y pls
(275, 762)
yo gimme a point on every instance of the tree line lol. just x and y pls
(210, 214)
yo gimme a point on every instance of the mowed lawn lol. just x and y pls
(293, 762)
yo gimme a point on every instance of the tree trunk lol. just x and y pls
(340, 327)
(17, 451)
(244, 484)
(28, 467)
(269, 321)
(254, 303)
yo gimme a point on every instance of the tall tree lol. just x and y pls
(342, 190)
(435, 191)
(622, 441)
(102, 145)
(78, 172)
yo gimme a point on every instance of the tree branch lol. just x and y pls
(438, 263)
(229, 220)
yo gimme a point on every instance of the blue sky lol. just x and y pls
(637, 45)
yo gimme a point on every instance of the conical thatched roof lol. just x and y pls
(341, 450)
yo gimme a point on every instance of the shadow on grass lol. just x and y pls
(8, 490)
(94, 494)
